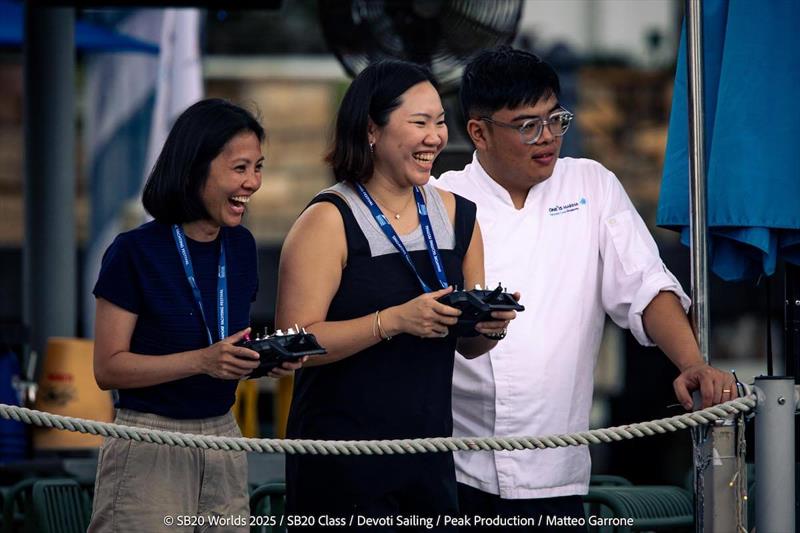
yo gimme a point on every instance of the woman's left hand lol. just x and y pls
(499, 326)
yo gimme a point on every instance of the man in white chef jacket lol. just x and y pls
(563, 233)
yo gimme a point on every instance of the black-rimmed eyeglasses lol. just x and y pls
(529, 131)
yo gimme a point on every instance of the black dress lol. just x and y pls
(393, 390)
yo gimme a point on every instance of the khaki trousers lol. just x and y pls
(150, 487)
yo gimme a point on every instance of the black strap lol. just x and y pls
(464, 224)
(768, 285)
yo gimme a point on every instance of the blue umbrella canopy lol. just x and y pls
(88, 37)
(751, 66)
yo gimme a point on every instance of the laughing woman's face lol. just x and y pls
(233, 177)
(406, 147)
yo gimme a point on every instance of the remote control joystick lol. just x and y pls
(281, 347)
(477, 305)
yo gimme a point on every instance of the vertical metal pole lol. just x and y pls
(49, 250)
(792, 315)
(716, 508)
(716, 451)
(775, 466)
(697, 175)
(593, 21)
(792, 332)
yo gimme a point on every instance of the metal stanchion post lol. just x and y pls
(775, 454)
(717, 466)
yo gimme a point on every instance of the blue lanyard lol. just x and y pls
(427, 232)
(222, 284)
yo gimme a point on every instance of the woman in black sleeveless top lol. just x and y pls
(372, 304)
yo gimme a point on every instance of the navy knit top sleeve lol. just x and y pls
(141, 272)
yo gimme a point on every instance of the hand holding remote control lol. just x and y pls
(280, 347)
(477, 305)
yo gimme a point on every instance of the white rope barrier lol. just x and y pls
(381, 447)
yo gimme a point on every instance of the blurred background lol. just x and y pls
(291, 62)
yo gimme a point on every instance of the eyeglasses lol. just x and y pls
(530, 130)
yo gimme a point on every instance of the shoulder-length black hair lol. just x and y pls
(172, 192)
(504, 77)
(374, 94)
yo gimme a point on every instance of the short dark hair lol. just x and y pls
(172, 192)
(504, 77)
(373, 94)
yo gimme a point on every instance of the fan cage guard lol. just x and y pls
(440, 34)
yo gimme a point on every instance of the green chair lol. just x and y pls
(60, 506)
(17, 512)
(652, 508)
(268, 500)
(608, 480)
(596, 509)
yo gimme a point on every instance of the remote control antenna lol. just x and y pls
(266, 332)
(304, 331)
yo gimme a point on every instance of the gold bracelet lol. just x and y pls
(375, 323)
(383, 334)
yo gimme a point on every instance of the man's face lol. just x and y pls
(505, 156)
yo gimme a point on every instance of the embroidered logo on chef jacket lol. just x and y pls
(566, 208)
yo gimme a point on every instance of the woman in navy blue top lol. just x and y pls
(173, 296)
(362, 268)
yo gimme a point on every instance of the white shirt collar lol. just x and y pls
(487, 183)
(491, 187)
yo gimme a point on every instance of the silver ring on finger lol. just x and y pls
(496, 336)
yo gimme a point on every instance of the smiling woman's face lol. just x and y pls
(233, 176)
(415, 134)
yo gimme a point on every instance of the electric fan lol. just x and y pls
(440, 34)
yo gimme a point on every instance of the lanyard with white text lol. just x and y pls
(427, 232)
(222, 284)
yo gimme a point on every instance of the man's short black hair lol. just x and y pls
(172, 192)
(504, 77)
(373, 94)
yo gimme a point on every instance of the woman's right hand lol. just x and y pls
(223, 360)
(287, 368)
(423, 316)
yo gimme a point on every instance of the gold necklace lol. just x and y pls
(396, 213)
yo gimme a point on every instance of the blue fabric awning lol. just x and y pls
(88, 37)
(751, 54)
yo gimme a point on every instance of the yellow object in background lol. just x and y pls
(67, 387)
(283, 399)
(245, 408)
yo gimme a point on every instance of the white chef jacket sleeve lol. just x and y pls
(632, 270)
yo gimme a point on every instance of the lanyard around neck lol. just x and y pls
(222, 283)
(394, 238)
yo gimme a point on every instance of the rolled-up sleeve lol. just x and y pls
(632, 270)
